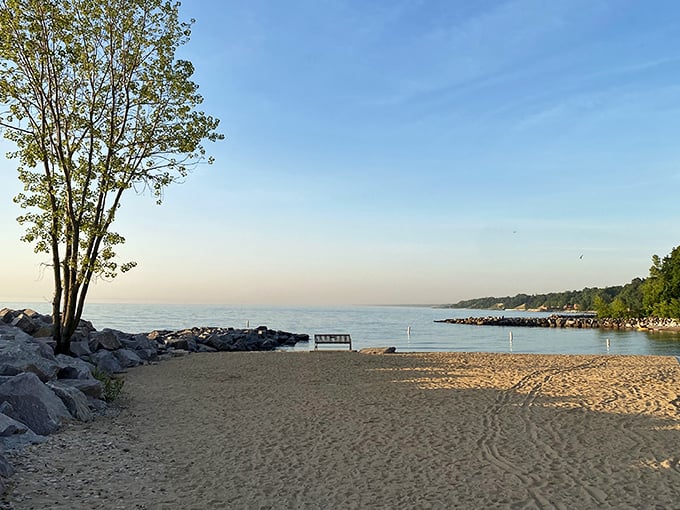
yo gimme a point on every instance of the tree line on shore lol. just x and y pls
(658, 295)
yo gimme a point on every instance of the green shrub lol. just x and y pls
(112, 385)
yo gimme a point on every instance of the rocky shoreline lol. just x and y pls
(571, 321)
(39, 390)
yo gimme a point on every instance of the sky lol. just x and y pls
(385, 152)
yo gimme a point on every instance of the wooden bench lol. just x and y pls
(332, 339)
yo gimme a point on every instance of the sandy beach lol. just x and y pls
(324, 430)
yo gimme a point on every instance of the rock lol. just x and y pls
(34, 404)
(127, 358)
(378, 350)
(157, 334)
(24, 354)
(25, 324)
(74, 400)
(29, 312)
(48, 342)
(220, 342)
(269, 345)
(73, 368)
(106, 362)
(105, 339)
(90, 387)
(186, 342)
(11, 333)
(240, 345)
(301, 337)
(147, 354)
(81, 348)
(570, 320)
(254, 340)
(85, 328)
(226, 339)
(43, 332)
(145, 348)
(14, 434)
(139, 342)
(97, 405)
(6, 315)
(9, 426)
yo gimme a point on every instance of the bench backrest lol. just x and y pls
(333, 339)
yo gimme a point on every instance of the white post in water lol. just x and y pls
(511, 341)
(607, 345)
(408, 331)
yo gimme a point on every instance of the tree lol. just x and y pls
(631, 296)
(601, 306)
(661, 291)
(618, 309)
(96, 104)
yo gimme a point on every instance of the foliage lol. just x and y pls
(572, 300)
(96, 104)
(601, 306)
(619, 301)
(112, 386)
(661, 291)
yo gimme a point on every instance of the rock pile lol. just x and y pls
(570, 321)
(39, 390)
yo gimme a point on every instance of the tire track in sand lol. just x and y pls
(523, 394)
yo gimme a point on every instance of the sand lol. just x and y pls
(326, 430)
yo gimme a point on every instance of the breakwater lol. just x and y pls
(571, 321)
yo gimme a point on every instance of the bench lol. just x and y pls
(332, 339)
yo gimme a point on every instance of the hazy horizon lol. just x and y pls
(406, 152)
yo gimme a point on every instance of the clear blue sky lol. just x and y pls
(408, 152)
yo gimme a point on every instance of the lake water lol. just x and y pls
(373, 326)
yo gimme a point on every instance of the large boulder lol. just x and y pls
(14, 433)
(81, 348)
(83, 331)
(184, 342)
(74, 400)
(6, 315)
(90, 387)
(73, 368)
(106, 362)
(139, 342)
(222, 341)
(9, 426)
(25, 323)
(21, 353)
(33, 403)
(127, 358)
(144, 347)
(105, 339)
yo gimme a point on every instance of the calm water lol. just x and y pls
(372, 326)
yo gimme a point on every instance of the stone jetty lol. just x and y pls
(571, 321)
(39, 390)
